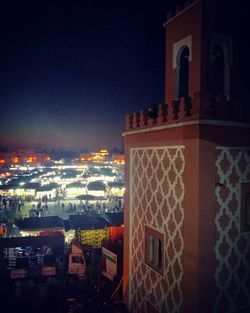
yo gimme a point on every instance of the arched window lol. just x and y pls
(182, 55)
(218, 71)
(183, 72)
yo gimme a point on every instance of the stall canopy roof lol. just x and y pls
(84, 221)
(116, 219)
(40, 223)
(88, 221)
(56, 240)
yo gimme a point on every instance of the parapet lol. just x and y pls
(188, 4)
(199, 107)
(179, 9)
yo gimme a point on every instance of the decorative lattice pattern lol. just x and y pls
(232, 248)
(157, 192)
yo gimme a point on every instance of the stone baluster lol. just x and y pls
(170, 113)
(164, 113)
(138, 119)
(131, 120)
(182, 113)
(176, 109)
(145, 117)
(188, 106)
(196, 105)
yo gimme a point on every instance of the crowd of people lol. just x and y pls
(110, 205)
(11, 206)
(16, 206)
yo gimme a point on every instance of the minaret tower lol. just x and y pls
(187, 202)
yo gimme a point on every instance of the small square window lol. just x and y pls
(245, 207)
(154, 245)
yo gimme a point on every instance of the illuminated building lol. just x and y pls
(118, 159)
(31, 159)
(23, 157)
(187, 199)
(85, 157)
(15, 159)
(96, 157)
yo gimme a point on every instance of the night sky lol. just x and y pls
(71, 70)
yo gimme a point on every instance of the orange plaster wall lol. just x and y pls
(211, 137)
(226, 136)
(183, 26)
(199, 203)
(126, 230)
(191, 226)
(207, 231)
(212, 14)
(188, 136)
(171, 136)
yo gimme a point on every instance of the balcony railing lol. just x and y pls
(198, 107)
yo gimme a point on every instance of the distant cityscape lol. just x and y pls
(30, 156)
(49, 210)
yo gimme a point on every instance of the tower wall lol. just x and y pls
(160, 187)
(187, 179)
(180, 28)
